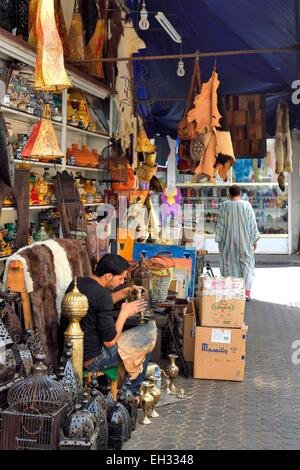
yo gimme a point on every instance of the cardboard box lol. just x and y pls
(189, 330)
(223, 313)
(220, 353)
(221, 302)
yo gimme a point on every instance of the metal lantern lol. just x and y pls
(74, 307)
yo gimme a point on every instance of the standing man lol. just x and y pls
(237, 235)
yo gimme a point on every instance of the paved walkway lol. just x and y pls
(263, 412)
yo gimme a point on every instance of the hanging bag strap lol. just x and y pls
(195, 87)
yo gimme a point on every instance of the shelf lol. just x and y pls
(41, 207)
(24, 116)
(93, 204)
(37, 163)
(226, 185)
(15, 48)
(97, 135)
(82, 168)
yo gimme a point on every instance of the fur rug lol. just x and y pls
(49, 267)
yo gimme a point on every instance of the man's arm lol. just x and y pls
(127, 310)
(120, 294)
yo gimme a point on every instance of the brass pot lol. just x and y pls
(156, 393)
(172, 372)
(147, 401)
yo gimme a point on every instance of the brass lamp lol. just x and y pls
(74, 307)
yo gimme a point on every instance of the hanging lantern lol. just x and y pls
(42, 143)
(50, 74)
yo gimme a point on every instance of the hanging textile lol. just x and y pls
(94, 49)
(283, 144)
(22, 8)
(32, 14)
(6, 153)
(206, 113)
(245, 118)
(114, 32)
(129, 44)
(50, 74)
(206, 118)
(76, 35)
(61, 26)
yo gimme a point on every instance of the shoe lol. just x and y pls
(248, 299)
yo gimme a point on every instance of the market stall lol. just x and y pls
(83, 176)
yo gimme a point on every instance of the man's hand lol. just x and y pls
(132, 308)
(254, 246)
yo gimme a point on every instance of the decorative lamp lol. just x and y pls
(74, 307)
(50, 73)
(42, 143)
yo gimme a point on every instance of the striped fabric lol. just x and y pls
(236, 234)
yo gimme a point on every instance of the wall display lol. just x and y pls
(246, 121)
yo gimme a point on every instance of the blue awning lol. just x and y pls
(218, 25)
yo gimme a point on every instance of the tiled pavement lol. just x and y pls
(263, 412)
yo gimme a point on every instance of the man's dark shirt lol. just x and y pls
(98, 325)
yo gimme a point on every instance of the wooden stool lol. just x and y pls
(112, 373)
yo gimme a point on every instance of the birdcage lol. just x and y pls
(113, 165)
(37, 407)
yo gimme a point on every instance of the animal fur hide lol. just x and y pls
(49, 268)
(283, 142)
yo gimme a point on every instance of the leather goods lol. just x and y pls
(187, 130)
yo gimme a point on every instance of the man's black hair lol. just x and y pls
(111, 264)
(235, 190)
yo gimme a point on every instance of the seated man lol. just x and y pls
(101, 332)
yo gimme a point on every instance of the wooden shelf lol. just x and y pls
(97, 135)
(226, 185)
(93, 204)
(37, 163)
(15, 48)
(23, 116)
(82, 168)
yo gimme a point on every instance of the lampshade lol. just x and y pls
(42, 143)
(50, 73)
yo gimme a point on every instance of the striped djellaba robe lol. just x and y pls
(236, 234)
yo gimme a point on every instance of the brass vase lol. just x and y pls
(156, 393)
(147, 401)
(172, 372)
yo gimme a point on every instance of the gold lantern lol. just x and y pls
(74, 307)
(42, 143)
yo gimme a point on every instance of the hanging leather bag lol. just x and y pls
(187, 130)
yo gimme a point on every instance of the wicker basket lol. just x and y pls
(162, 268)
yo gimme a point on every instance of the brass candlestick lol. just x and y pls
(74, 307)
(139, 296)
(147, 401)
(168, 383)
(156, 393)
(172, 372)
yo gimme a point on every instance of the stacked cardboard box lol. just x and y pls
(220, 340)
